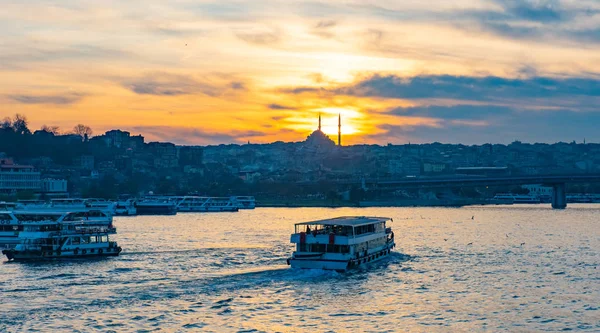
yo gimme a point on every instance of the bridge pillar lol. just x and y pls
(559, 196)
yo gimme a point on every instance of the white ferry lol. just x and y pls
(102, 204)
(205, 204)
(518, 198)
(341, 243)
(125, 208)
(47, 235)
(244, 202)
(155, 206)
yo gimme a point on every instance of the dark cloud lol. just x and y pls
(323, 29)
(503, 125)
(456, 112)
(65, 99)
(325, 24)
(165, 84)
(488, 88)
(261, 38)
(280, 107)
(236, 85)
(194, 136)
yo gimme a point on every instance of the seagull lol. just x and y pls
(445, 239)
(470, 244)
(473, 217)
(522, 244)
(506, 235)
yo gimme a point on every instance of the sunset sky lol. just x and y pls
(209, 72)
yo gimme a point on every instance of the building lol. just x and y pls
(85, 162)
(319, 139)
(54, 186)
(191, 155)
(14, 177)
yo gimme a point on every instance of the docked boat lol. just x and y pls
(125, 208)
(205, 204)
(47, 235)
(517, 198)
(244, 202)
(341, 243)
(155, 206)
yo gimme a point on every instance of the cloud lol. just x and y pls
(539, 126)
(472, 88)
(280, 107)
(260, 38)
(166, 84)
(324, 28)
(69, 98)
(456, 112)
(194, 136)
(237, 85)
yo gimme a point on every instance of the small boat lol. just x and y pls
(125, 207)
(155, 206)
(244, 202)
(205, 204)
(341, 243)
(49, 235)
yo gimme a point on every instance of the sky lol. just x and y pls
(211, 72)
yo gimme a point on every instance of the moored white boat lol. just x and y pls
(125, 208)
(341, 243)
(244, 202)
(205, 204)
(48, 235)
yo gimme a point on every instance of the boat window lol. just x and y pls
(103, 239)
(36, 217)
(11, 228)
(5, 218)
(93, 239)
(85, 240)
(75, 241)
(318, 248)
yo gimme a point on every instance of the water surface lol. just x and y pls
(501, 268)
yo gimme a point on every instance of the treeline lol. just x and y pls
(17, 140)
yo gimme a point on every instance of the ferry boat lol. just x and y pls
(125, 208)
(205, 204)
(341, 243)
(47, 235)
(102, 204)
(518, 198)
(155, 206)
(244, 202)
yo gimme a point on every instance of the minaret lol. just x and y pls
(339, 129)
(319, 121)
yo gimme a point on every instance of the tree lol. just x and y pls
(6, 123)
(20, 125)
(51, 129)
(82, 130)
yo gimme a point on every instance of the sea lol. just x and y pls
(471, 269)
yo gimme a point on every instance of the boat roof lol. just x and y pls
(48, 212)
(352, 221)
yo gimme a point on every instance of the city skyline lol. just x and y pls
(200, 73)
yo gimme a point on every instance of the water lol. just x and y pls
(512, 268)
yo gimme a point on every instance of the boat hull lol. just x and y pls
(16, 255)
(207, 209)
(339, 265)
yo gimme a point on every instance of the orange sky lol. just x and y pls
(205, 72)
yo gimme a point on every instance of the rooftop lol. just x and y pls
(348, 221)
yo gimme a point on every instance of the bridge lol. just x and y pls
(557, 182)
